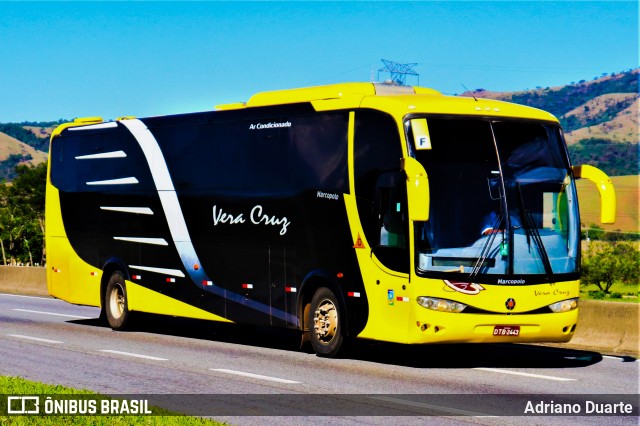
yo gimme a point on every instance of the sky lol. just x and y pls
(111, 59)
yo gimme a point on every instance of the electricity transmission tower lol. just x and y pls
(398, 72)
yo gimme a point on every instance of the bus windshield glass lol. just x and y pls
(503, 202)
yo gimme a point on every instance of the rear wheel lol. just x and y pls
(325, 323)
(115, 302)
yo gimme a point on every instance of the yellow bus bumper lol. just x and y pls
(443, 327)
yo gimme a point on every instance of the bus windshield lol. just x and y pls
(503, 203)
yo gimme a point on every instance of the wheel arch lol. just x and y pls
(110, 266)
(310, 284)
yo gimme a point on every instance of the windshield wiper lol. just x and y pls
(486, 249)
(531, 231)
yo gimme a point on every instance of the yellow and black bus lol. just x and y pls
(355, 210)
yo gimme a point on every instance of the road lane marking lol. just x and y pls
(154, 358)
(618, 358)
(51, 313)
(517, 373)
(253, 376)
(37, 339)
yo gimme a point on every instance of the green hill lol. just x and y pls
(23, 143)
(14, 152)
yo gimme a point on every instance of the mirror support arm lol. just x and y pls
(417, 189)
(605, 187)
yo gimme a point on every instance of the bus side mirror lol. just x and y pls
(605, 187)
(417, 189)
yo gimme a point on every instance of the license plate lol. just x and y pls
(506, 330)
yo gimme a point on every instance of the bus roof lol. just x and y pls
(328, 92)
(392, 98)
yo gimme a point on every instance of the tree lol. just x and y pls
(22, 215)
(613, 262)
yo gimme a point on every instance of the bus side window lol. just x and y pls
(391, 214)
(379, 186)
(392, 224)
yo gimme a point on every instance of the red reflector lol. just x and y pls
(137, 277)
(205, 282)
(340, 275)
(171, 280)
(402, 299)
(290, 289)
(353, 294)
(247, 285)
(93, 274)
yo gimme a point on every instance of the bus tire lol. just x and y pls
(116, 303)
(325, 323)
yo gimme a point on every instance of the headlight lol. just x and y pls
(441, 305)
(564, 306)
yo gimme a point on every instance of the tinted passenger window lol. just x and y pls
(274, 154)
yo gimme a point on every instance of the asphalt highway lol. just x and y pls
(51, 341)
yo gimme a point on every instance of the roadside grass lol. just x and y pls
(19, 386)
(619, 292)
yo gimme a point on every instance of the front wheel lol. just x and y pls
(115, 302)
(325, 323)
